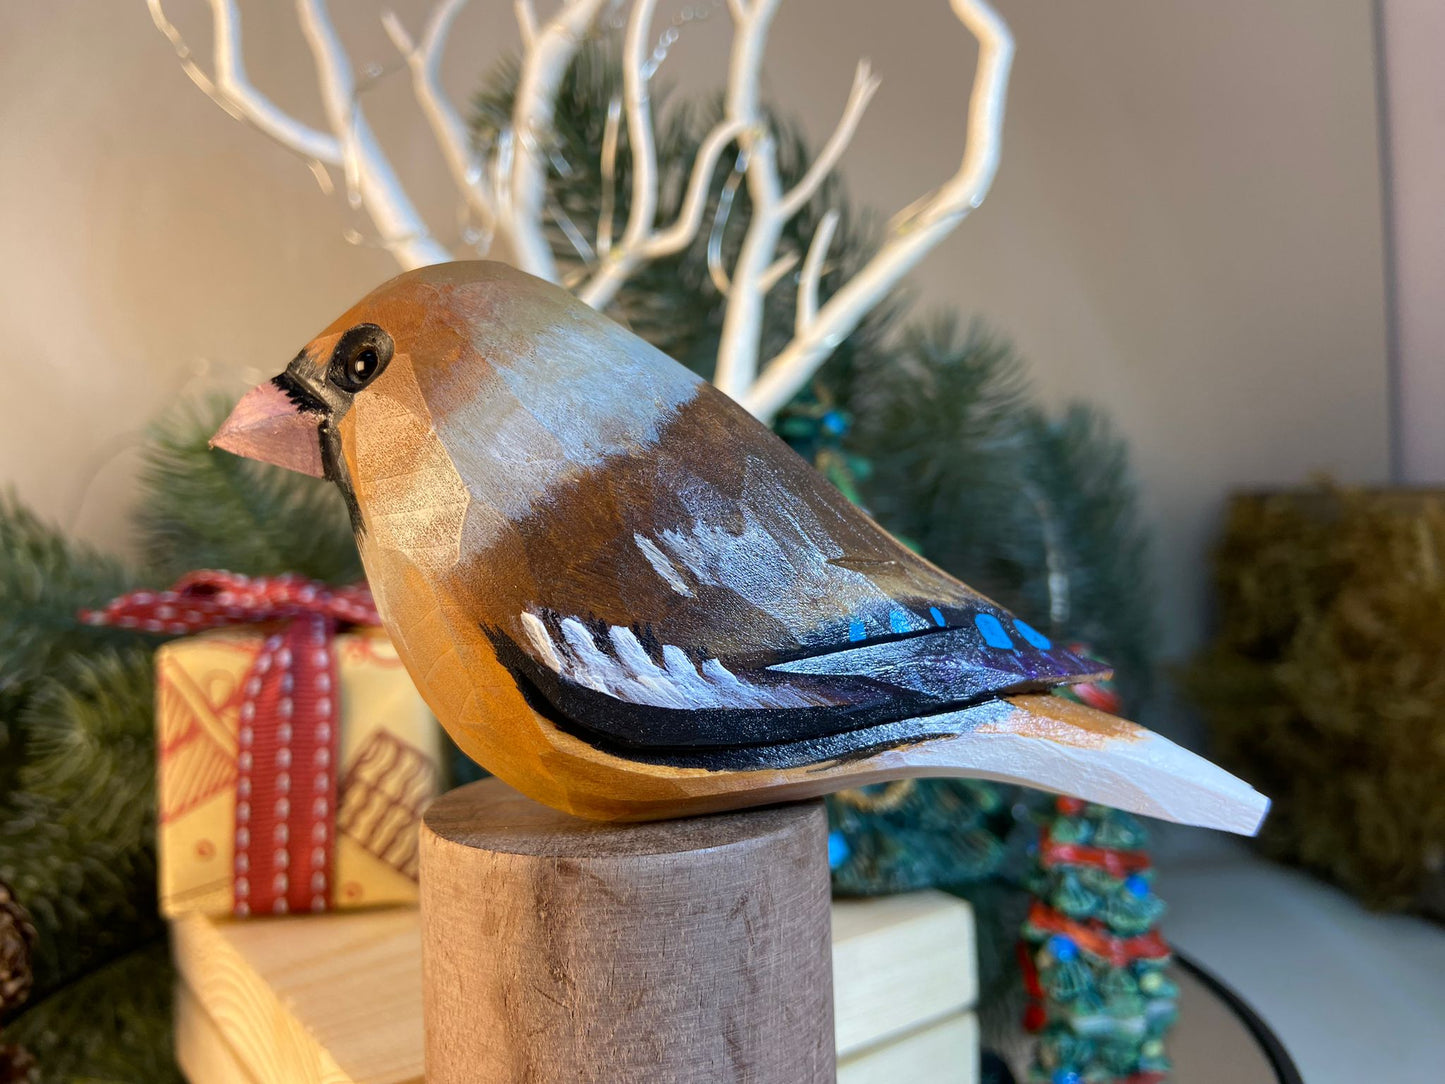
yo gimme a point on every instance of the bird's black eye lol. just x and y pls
(359, 357)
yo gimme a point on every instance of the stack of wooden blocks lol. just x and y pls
(336, 998)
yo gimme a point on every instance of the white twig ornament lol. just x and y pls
(504, 186)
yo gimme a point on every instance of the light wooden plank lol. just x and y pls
(945, 1052)
(316, 999)
(336, 998)
(201, 1051)
(898, 962)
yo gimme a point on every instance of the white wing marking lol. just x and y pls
(629, 673)
(665, 568)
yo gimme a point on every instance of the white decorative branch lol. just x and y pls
(757, 270)
(424, 59)
(915, 234)
(865, 85)
(812, 274)
(505, 185)
(737, 357)
(526, 22)
(640, 242)
(402, 229)
(350, 144)
(233, 91)
(544, 64)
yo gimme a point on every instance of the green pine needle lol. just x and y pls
(77, 832)
(110, 1026)
(45, 579)
(92, 744)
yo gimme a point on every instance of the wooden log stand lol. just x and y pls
(558, 949)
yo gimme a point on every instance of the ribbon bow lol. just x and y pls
(210, 600)
(287, 739)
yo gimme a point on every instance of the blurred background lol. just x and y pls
(1218, 224)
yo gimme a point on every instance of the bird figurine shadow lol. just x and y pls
(627, 598)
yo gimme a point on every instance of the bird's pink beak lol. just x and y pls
(267, 425)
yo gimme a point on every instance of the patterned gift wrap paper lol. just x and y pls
(387, 769)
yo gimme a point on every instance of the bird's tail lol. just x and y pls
(1056, 744)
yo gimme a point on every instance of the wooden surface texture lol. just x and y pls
(560, 949)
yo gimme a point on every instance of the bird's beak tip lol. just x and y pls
(267, 426)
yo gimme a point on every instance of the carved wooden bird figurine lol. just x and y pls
(628, 599)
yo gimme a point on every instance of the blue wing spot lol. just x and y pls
(855, 630)
(1033, 635)
(937, 616)
(898, 621)
(992, 631)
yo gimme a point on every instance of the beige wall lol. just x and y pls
(1414, 37)
(1186, 227)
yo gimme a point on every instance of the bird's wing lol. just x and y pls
(712, 589)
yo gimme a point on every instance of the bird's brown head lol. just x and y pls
(463, 384)
(301, 419)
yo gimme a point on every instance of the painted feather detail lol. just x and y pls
(662, 566)
(626, 672)
(951, 665)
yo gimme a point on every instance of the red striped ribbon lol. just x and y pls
(288, 734)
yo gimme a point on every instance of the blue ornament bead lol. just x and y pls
(838, 849)
(1136, 886)
(1062, 948)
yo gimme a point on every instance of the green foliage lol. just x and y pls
(202, 510)
(44, 580)
(77, 805)
(76, 794)
(1094, 542)
(111, 1026)
(77, 831)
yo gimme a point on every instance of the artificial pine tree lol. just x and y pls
(1092, 957)
(77, 814)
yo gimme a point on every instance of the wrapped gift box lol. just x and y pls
(224, 753)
